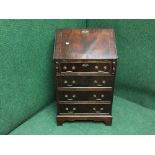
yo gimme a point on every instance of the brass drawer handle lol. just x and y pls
(94, 108)
(70, 99)
(101, 108)
(65, 81)
(96, 67)
(101, 71)
(98, 99)
(99, 85)
(69, 71)
(85, 31)
(105, 67)
(104, 81)
(94, 95)
(70, 111)
(65, 67)
(85, 65)
(95, 81)
(73, 67)
(69, 85)
(74, 109)
(98, 111)
(102, 95)
(66, 95)
(74, 81)
(73, 95)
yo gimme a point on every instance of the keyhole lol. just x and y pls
(67, 43)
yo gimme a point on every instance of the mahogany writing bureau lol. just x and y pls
(85, 66)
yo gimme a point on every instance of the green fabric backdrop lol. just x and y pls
(136, 50)
(26, 77)
(26, 70)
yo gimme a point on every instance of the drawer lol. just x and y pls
(85, 81)
(84, 108)
(84, 95)
(104, 67)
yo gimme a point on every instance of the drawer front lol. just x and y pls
(85, 95)
(85, 108)
(86, 67)
(85, 81)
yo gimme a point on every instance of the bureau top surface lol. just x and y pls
(85, 44)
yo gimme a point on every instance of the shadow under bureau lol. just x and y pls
(85, 67)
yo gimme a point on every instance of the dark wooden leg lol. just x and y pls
(59, 123)
(108, 121)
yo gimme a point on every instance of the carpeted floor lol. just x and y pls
(128, 118)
